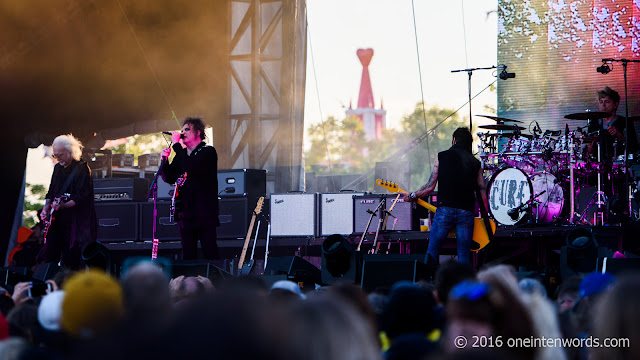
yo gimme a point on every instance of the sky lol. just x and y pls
(338, 28)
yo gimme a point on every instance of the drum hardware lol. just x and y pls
(498, 119)
(515, 212)
(501, 127)
(589, 115)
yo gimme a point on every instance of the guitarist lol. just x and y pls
(197, 209)
(459, 175)
(75, 224)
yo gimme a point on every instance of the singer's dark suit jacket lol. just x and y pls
(199, 194)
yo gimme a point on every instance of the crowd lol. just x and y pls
(490, 314)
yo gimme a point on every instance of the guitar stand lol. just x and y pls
(372, 214)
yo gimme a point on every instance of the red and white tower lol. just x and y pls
(373, 120)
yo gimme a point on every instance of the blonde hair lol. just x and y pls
(73, 145)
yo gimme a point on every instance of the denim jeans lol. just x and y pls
(445, 220)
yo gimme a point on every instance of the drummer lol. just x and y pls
(611, 127)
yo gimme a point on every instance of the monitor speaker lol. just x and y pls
(386, 270)
(294, 267)
(208, 269)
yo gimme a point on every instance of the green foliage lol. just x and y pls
(141, 144)
(33, 201)
(414, 126)
(351, 153)
(341, 145)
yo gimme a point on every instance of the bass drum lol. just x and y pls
(511, 187)
(508, 189)
(551, 198)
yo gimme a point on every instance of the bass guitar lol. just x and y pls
(480, 235)
(52, 215)
(242, 268)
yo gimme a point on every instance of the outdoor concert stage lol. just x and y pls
(535, 248)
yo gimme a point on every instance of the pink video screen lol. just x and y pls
(555, 49)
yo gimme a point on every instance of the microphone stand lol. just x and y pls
(470, 72)
(153, 192)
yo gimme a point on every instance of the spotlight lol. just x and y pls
(604, 69)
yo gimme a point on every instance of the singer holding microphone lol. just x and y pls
(198, 197)
(459, 174)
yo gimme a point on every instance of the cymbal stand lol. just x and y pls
(572, 189)
(599, 198)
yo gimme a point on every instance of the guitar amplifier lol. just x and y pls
(242, 182)
(294, 214)
(120, 189)
(336, 213)
(403, 212)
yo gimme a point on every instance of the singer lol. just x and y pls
(74, 224)
(459, 174)
(198, 215)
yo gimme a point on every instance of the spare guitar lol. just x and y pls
(52, 216)
(480, 235)
(242, 268)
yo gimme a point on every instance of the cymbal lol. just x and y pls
(591, 115)
(501, 127)
(499, 119)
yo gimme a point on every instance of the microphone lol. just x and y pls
(604, 69)
(504, 75)
(169, 133)
(514, 213)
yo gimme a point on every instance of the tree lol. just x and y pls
(141, 144)
(33, 201)
(340, 147)
(414, 126)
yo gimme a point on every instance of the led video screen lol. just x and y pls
(555, 48)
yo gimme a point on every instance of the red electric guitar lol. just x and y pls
(52, 215)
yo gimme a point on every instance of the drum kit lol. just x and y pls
(540, 177)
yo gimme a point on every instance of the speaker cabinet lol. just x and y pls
(117, 221)
(336, 213)
(294, 215)
(403, 213)
(165, 229)
(294, 267)
(385, 270)
(242, 182)
(234, 218)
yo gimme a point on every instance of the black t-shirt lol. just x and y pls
(607, 141)
(457, 178)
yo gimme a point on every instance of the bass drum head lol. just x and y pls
(508, 189)
(551, 201)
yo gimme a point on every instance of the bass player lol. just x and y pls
(459, 175)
